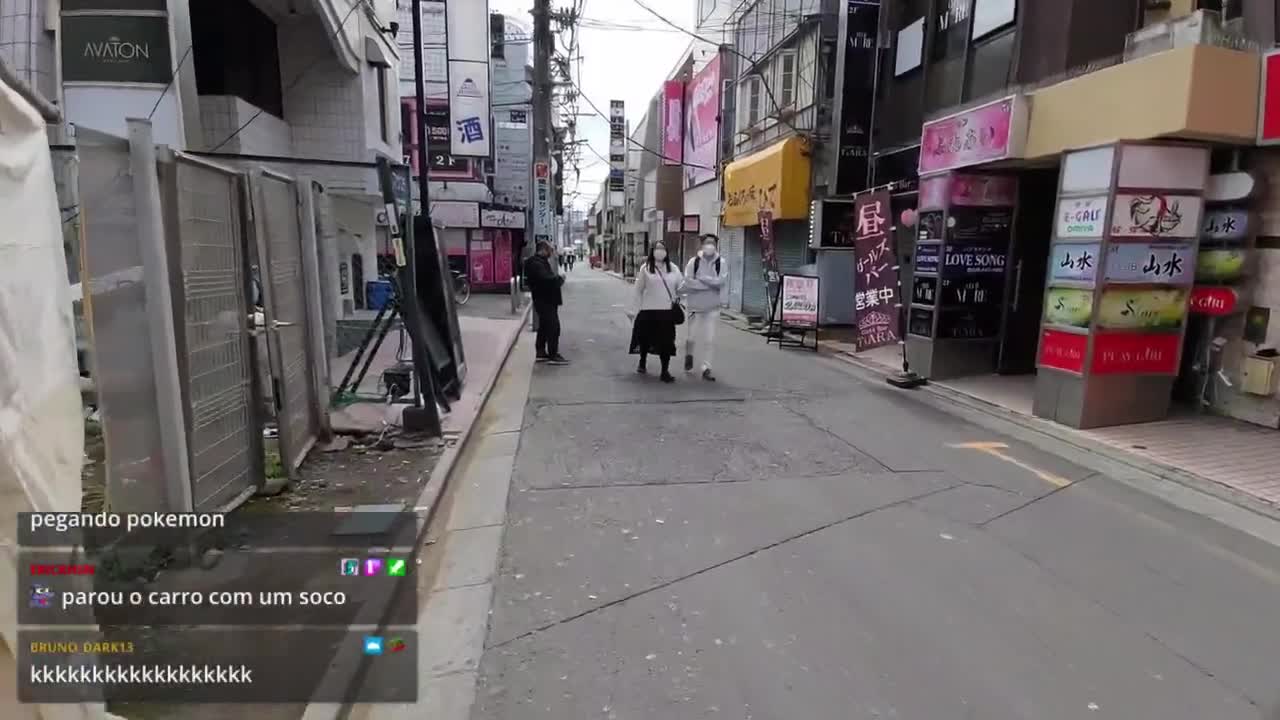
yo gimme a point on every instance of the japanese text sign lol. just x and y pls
(1075, 262)
(975, 136)
(1082, 217)
(876, 276)
(1225, 225)
(799, 301)
(672, 122)
(1162, 263)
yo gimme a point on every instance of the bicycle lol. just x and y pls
(461, 288)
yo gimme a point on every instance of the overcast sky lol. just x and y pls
(617, 64)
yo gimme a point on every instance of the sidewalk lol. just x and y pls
(1228, 458)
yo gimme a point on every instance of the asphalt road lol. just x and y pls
(795, 542)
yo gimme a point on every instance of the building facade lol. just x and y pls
(1078, 195)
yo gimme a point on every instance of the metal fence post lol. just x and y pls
(164, 344)
(315, 298)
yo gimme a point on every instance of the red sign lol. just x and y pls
(1063, 350)
(672, 122)
(1135, 353)
(1269, 123)
(61, 569)
(540, 170)
(1215, 301)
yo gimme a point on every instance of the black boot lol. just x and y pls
(641, 368)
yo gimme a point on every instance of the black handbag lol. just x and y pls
(677, 310)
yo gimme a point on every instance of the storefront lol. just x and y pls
(774, 181)
(502, 236)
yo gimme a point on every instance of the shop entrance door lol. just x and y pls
(1028, 267)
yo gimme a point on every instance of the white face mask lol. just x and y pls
(708, 251)
(659, 255)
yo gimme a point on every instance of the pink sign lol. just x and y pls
(702, 125)
(983, 190)
(501, 256)
(481, 262)
(975, 136)
(933, 193)
(672, 122)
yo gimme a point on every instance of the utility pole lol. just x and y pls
(542, 88)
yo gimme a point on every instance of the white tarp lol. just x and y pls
(41, 427)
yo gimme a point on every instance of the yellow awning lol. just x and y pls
(775, 179)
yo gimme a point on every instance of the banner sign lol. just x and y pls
(799, 301)
(672, 122)
(1225, 225)
(1162, 263)
(984, 190)
(1063, 350)
(115, 49)
(980, 135)
(1082, 217)
(978, 259)
(928, 257)
(467, 25)
(469, 106)
(1157, 215)
(541, 199)
(1075, 262)
(1136, 353)
(855, 88)
(924, 290)
(980, 224)
(617, 152)
(980, 290)
(876, 282)
(1125, 308)
(768, 253)
(702, 128)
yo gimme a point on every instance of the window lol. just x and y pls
(380, 75)
(752, 104)
(235, 52)
(910, 48)
(787, 79)
(498, 36)
(991, 15)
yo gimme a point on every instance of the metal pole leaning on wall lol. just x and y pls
(164, 343)
(315, 302)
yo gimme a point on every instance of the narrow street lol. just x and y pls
(795, 541)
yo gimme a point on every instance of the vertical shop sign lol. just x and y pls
(876, 282)
(468, 44)
(702, 126)
(541, 199)
(768, 251)
(672, 122)
(856, 54)
(617, 152)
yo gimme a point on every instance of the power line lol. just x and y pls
(639, 144)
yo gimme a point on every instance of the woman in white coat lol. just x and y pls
(653, 329)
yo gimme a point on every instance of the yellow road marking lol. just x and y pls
(996, 449)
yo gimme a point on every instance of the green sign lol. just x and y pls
(116, 49)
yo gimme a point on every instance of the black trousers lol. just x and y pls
(547, 342)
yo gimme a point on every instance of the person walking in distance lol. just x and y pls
(653, 314)
(545, 286)
(704, 277)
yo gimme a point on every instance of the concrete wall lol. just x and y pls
(1214, 97)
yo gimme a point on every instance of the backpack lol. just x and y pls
(697, 263)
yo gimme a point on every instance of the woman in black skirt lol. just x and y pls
(654, 328)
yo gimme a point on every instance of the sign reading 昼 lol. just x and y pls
(1075, 262)
(799, 301)
(1155, 215)
(1082, 217)
(1157, 263)
(875, 269)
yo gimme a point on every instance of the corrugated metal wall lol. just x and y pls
(792, 241)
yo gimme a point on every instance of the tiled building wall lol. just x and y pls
(26, 46)
(223, 115)
(1262, 290)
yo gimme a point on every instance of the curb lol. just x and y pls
(1077, 440)
(345, 670)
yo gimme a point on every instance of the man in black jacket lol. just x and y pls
(544, 285)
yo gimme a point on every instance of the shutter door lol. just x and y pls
(731, 248)
(792, 241)
(754, 294)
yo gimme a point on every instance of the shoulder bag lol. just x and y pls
(677, 310)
